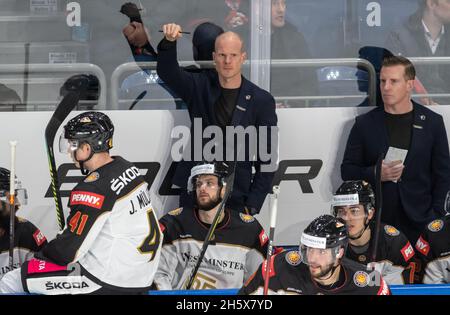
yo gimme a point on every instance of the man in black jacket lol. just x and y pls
(223, 98)
(412, 141)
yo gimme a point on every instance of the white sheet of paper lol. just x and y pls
(395, 154)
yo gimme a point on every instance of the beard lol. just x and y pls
(210, 204)
(323, 271)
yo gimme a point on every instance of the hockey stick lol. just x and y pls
(378, 207)
(140, 96)
(12, 203)
(64, 108)
(229, 188)
(273, 220)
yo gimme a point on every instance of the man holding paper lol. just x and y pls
(412, 141)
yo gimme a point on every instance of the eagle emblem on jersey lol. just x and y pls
(247, 218)
(361, 279)
(293, 258)
(92, 177)
(390, 230)
(362, 258)
(436, 225)
(176, 212)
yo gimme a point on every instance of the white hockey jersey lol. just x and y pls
(235, 253)
(112, 230)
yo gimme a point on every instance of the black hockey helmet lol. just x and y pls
(324, 232)
(219, 169)
(20, 192)
(354, 192)
(94, 128)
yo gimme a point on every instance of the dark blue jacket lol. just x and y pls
(426, 177)
(255, 107)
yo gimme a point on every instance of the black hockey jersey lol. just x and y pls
(289, 275)
(112, 231)
(28, 239)
(236, 251)
(433, 248)
(394, 255)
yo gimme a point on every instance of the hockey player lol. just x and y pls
(28, 239)
(111, 241)
(238, 246)
(319, 267)
(354, 202)
(433, 248)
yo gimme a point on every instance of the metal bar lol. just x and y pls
(429, 60)
(363, 63)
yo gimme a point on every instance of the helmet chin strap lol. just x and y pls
(82, 169)
(360, 234)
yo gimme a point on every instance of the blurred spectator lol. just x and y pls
(203, 40)
(288, 43)
(375, 56)
(231, 15)
(426, 33)
(9, 98)
(87, 87)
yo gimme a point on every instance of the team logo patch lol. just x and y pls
(39, 237)
(361, 279)
(176, 211)
(407, 251)
(86, 198)
(293, 258)
(362, 258)
(390, 230)
(247, 218)
(92, 177)
(436, 225)
(422, 246)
